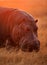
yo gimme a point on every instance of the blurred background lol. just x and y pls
(38, 8)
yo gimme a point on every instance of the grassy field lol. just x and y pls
(12, 57)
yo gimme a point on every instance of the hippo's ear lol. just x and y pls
(36, 20)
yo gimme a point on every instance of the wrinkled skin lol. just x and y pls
(19, 28)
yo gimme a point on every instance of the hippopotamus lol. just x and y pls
(20, 28)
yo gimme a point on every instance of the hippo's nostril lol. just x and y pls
(36, 45)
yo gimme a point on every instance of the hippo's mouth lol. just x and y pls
(26, 48)
(30, 49)
(27, 45)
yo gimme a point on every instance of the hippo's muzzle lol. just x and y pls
(29, 46)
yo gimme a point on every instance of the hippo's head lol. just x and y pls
(29, 40)
(26, 32)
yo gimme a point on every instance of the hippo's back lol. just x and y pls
(4, 15)
(2, 10)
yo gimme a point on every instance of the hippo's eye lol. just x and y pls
(27, 28)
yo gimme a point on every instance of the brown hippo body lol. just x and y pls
(19, 28)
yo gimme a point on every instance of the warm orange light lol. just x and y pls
(32, 6)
